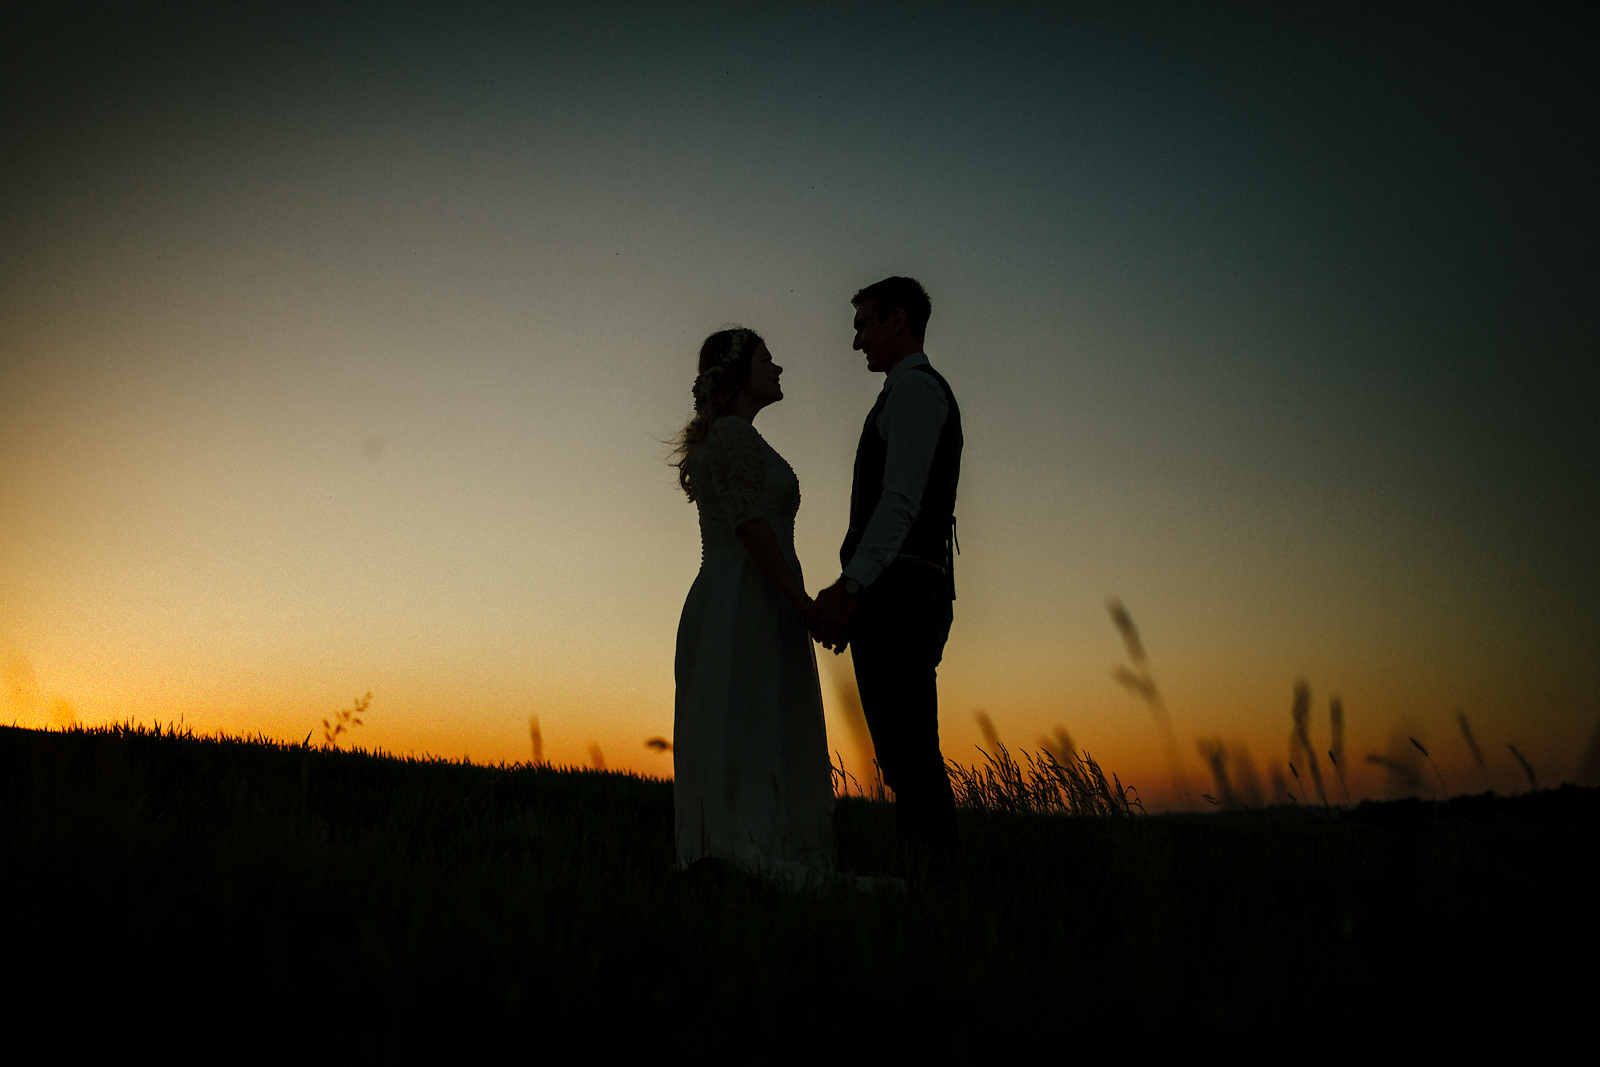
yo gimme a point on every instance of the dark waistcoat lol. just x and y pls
(930, 536)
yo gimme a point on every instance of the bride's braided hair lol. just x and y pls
(724, 370)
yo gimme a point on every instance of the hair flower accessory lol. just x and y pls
(705, 386)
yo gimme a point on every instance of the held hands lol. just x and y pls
(828, 618)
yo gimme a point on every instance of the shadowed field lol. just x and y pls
(315, 901)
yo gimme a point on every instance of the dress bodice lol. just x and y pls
(737, 476)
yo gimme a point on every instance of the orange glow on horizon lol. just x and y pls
(1134, 753)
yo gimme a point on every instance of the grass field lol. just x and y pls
(295, 901)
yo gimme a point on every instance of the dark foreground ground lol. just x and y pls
(249, 901)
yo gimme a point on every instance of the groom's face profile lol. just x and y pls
(875, 336)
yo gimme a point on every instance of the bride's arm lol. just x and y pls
(758, 539)
(736, 462)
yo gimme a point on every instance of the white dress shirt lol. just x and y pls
(913, 413)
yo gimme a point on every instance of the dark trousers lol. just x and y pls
(897, 639)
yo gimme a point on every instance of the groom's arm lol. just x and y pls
(912, 419)
(913, 415)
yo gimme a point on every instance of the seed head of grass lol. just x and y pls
(344, 720)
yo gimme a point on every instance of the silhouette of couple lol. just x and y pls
(753, 781)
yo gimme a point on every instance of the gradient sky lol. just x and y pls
(340, 347)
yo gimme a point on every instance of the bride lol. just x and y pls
(752, 780)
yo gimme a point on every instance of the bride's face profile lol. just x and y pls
(763, 387)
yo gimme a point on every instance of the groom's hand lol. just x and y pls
(829, 617)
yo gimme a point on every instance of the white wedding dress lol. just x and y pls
(752, 779)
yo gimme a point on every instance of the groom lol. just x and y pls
(892, 604)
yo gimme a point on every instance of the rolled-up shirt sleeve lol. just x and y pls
(913, 414)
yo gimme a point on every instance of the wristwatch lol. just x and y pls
(852, 587)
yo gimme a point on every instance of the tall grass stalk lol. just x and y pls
(1527, 768)
(1042, 784)
(1215, 753)
(1302, 734)
(1443, 790)
(1336, 730)
(1300, 783)
(1340, 771)
(1472, 747)
(1139, 681)
(1401, 776)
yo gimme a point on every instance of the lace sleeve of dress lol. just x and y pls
(734, 456)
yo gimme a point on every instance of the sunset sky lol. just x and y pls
(341, 347)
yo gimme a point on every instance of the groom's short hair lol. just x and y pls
(906, 294)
